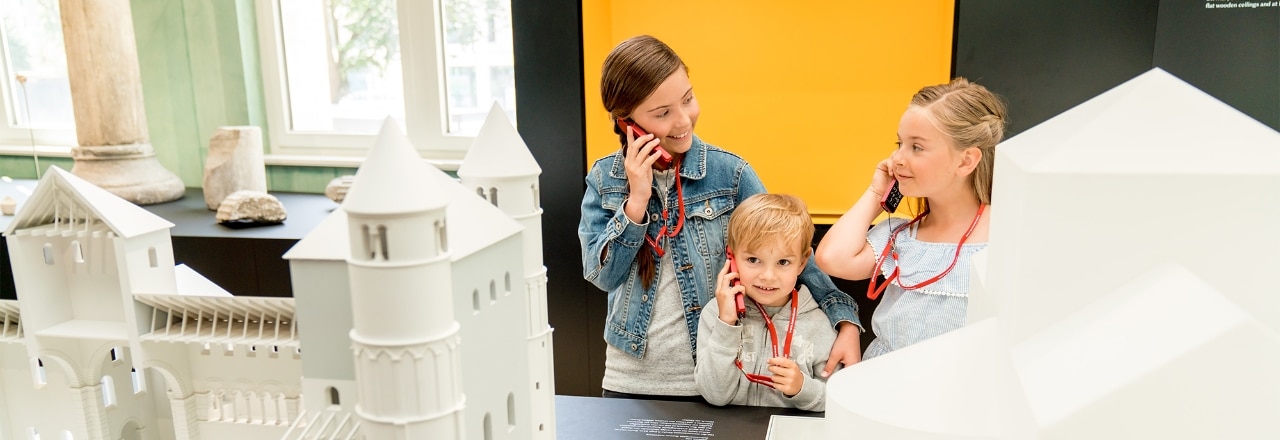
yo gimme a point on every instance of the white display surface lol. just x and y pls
(1123, 292)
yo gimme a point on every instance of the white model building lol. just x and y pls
(1124, 292)
(424, 308)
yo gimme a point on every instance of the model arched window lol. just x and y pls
(488, 426)
(37, 373)
(536, 196)
(507, 280)
(475, 300)
(77, 252)
(493, 196)
(480, 192)
(139, 381)
(375, 241)
(332, 393)
(108, 392)
(382, 242)
(367, 240)
(493, 291)
(511, 409)
(442, 237)
(152, 257)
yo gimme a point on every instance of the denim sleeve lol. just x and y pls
(609, 239)
(749, 183)
(839, 306)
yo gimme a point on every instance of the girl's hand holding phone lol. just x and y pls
(638, 161)
(883, 177)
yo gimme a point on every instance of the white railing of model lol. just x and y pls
(330, 424)
(10, 321)
(221, 320)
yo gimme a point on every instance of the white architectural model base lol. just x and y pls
(1125, 291)
(421, 306)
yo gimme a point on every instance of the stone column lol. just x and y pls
(92, 415)
(114, 149)
(186, 418)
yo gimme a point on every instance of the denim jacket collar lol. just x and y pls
(692, 166)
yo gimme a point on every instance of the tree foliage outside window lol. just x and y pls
(363, 36)
(36, 65)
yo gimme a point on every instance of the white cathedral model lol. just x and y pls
(420, 303)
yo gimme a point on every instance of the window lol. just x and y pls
(35, 88)
(139, 381)
(37, 373)
(334, 70)
(108, 392)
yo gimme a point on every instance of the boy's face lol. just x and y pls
(770, 274)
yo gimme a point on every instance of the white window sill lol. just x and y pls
(42, 150)
(297, 160)
(294, 160)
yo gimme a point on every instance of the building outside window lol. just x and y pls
(334, 70)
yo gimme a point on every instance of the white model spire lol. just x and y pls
(404, 334)
(502, 171)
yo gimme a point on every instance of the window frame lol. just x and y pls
(20, 139)
(422, 63)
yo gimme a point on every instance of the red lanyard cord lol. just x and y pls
(773, 339)
(873, 292)
(653, 241)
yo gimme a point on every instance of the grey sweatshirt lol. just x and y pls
(720, 381)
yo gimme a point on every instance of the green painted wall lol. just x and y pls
(24, 167)
(200, 70)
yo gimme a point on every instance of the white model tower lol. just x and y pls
(404, 335)
(501, 170)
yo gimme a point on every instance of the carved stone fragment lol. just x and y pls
(337, 188)
(234, 163)
(251, 208)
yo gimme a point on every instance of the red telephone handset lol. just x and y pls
(889, 202)
(664, 158)
(738, 302)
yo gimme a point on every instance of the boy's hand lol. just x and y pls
(787, 377)
(725, 293)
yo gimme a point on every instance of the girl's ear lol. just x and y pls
(969, 160)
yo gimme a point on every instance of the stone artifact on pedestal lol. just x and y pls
(114, 150)
(337, 188)
(251, 208)
(234, 163)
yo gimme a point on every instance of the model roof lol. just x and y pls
(61, 194)
(392, 179)
(498, 151)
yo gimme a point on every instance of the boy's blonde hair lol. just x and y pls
(765, 220)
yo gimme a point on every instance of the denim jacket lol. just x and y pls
(714, 182)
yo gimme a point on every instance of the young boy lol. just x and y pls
(774, 353)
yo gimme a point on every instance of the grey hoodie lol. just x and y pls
(720, 381)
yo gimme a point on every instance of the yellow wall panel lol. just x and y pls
(809, 92)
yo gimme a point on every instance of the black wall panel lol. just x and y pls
(549, 114)
(1232, 53)
(1046, 56)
